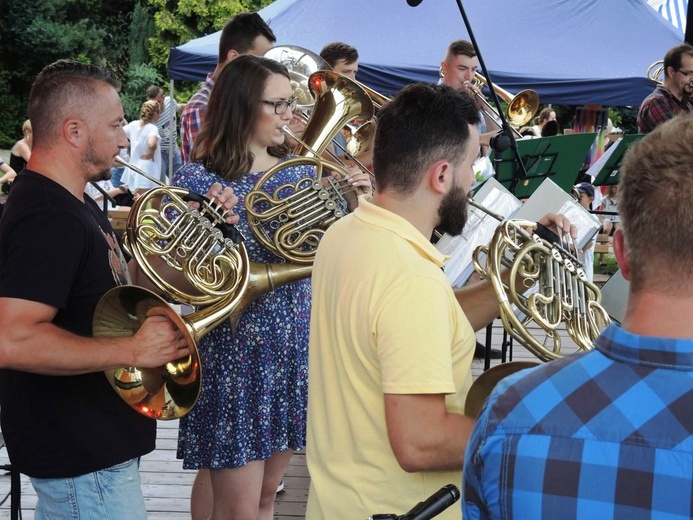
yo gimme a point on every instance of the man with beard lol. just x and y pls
(673, 96)
(64, 425)
(390, 345)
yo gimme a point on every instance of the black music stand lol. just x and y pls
(558, 157)
(607, 174)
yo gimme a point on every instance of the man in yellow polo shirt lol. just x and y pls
(390, 347)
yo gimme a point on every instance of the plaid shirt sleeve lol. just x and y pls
(192, 117)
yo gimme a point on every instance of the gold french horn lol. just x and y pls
(213, 260)
(562, 294)
(290, 220)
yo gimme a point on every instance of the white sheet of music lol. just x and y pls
(478, 231)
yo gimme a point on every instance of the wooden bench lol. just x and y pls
(603, 244)
(118, 217)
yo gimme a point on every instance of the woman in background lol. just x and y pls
(19, 156)
(145, 152)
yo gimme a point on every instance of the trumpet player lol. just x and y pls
(457, 71)
(673, 96)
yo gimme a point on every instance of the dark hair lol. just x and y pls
(239, 34)
(543, 115)
(422, 124)
(654, 202)
(62, 88)
(461, 47)
(154, 91)
(673, 56)
(335, 51)
(550, 128)
(233, 108)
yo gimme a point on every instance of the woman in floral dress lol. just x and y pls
(250, 416)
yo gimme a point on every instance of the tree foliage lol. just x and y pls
(35, 34)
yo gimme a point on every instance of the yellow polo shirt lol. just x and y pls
(384, 320)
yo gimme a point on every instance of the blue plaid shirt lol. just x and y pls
(604, 434)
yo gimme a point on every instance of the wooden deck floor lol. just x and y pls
(167, 486)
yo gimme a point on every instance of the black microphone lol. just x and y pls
(434, 505)
(414, 3)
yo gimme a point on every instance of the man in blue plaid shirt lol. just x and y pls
(608, 433)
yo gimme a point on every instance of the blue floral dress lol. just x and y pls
(254, 386)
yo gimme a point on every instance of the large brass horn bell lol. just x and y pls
(212, 258)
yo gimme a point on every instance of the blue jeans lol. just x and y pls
(116, 174)
(177, 163)
(110, 494)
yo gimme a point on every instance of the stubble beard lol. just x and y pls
(91, 161)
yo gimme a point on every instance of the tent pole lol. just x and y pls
(173, 137)
(506, 126)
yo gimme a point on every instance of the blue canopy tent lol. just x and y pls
(570, 51)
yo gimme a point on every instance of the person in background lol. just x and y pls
(457, 70)
(64, 425)
(673, 96)
(20, 154)
(145, 149)
(8, 174)
(168, 112)
(607, 433)
(547, 114)
(343, 58)
(585, 192)
(245, 33)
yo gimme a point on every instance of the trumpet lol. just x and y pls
(521, 107)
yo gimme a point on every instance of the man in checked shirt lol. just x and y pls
(245, 33)
(608, 433)
(673, 96)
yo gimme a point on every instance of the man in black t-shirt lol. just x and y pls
(64, 425)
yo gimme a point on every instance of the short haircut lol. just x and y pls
(153, 92)
(222, 145)
(239, 34)
(673, 56)
(61, 90)
(655, 199)
(461, 47)
(422, 124)
(335, 51)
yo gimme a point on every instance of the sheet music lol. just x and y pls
(550, 198)
(601, 162)
(478, 231)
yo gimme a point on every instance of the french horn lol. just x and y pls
(211, 257)
(561, 294)
(290, 220)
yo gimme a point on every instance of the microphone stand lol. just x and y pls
(507, 130)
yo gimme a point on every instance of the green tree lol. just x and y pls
(178, 22)
(37, 33)
(141, 30)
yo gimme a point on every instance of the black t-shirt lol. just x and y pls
(57, 250)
